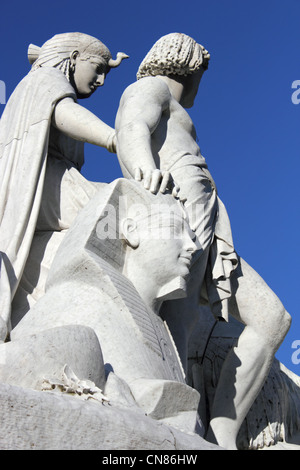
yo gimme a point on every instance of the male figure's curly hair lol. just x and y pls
(174, 54)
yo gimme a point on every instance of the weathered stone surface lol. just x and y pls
(50, 421)
(273, 421)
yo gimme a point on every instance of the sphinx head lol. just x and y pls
(159, 247)
(146, 237)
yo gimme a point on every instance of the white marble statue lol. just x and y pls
(156, 138)
(273, 421)
(126, 253)
(42, 134)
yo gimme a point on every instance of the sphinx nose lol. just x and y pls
(194, 245)
(191, 241)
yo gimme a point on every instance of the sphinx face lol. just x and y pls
(166, 246)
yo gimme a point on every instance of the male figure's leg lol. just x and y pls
(247, 365)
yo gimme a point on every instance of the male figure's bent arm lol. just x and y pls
(139, 114)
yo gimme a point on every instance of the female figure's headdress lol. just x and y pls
(56, 51)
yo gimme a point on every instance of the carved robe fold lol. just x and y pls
(35, 160)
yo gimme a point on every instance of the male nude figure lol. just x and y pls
(156, 138)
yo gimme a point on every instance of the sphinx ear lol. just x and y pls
(129, 232)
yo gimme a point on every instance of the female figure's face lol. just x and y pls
(89, 73)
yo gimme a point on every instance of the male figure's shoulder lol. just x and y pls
(148, 88)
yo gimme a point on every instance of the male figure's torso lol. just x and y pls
(153, 129)
(174, 137)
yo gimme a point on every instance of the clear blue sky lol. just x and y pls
(247, 124)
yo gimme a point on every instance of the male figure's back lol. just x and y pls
(157, 112)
